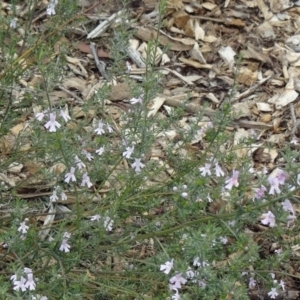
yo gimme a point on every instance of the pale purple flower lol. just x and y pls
(231, 223)
(167, 266)
(233, 181)
(198, 263)
(274, 183)
(260, 192)
(128, 152)
(109, 128)
(51, 7)
(224, 240)
(128, 66)
(100, 129)
(294, 141)
(282, 284)
(65, 115)
(88, 155)
(86, 180)
(13, 24)
(218, 170)
(278, 251)
(30, 284)
(40, 116)
(79, 163)
(205, 170)
(290, 219)
(54, 196)
(52, 123)
(273, 293)
(63, 196)
(268, 219)
(64, 244)
(108, 223)
(136, 100)
(95, 218)
(137, 165)
(27, 270)
(70, 176)
(252, 283)
(287, 206)
(13, 277)
(202, 283)
(298, 179)
(190, 274)
(100, 151)
(23, 228)
(176, 296)
(176, 281)
(281, 176)
(19, 284)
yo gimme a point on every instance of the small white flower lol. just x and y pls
(108, 223)
(40, 116)
(137, 165)
(79, 163)
(218, 170)
(233, 181)
(65, 247)
(252, 283)
(128, 152)
(20, 284)
(13, 24)
(54, 196)
(51, 7)
(176, 281)
(167, 266)
(136, 100)
(128, 66)
(205, 170)
(287, 206)
(273, 293)
(86, 180)
(23, 228)
(224, 240)
(268, 219)
(294, 141)
(63, 196)
(109, 128)
(100, 129)
(176, 296)
(52, 123)
(64, 115)
(70, 176)
(95, 218)
(282, 284)
(88, 155)
(30, 284)
(100, 151)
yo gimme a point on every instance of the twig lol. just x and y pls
(295, 122)
(79, 100)
(250, 90)
(100, 64)
(192, 108)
